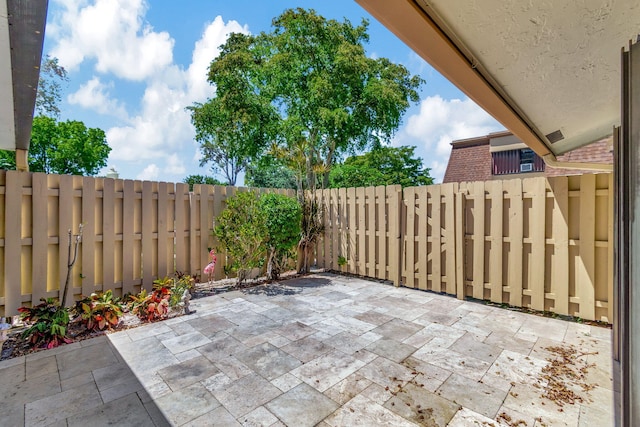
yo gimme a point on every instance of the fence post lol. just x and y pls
(396, 228)
(460, 244)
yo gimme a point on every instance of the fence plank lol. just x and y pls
(147, 213)
(181, 227)
(495, 255)
(436, 237)
(335, 231)
(423, 252)
(560, 229)
(206, 224)
(610, 238)
(478, 238)
(65, 223)
(409, 243)
(89, 203)
(195, 232)
(449, 192)
(361, 205)
(381, 231)
(165, 240)
(538, 240)
(108, 234)
(128, 219)
(395, 220)
(219, 204)
(514, 191)
(327, 239)
(371, 231)
(460, 244)
(40, 236)
(585, 283)
(12, 243)
(353, 232)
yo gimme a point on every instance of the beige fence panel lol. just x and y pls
(538, 243)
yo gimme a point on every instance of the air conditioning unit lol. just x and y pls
(526, 167)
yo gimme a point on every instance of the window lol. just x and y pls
(516, 161)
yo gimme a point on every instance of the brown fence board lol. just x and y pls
(586, 264)
(435, 192)
(537, 187)
(409, 243)
(496, 241)
(40, 236)
(88, 244)
(149, 221)
(128, 224)
(560, 277)
(514, 191)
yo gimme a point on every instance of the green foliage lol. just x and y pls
(235, 125)
(282, 215)
(48, 321)
(241, 228)
(308, 89)
(67, 147)
(201, 179)
(49, 92)
(381, 166)
(269, 172)
(342, 261)
(99, 310)
(176, 285)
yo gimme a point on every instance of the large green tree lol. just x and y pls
(381, 166)
(307, 90)
(269, 172)
(234, 126)
(67, 147)
(200, 179)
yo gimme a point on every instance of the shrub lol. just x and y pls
(99, 310)
(241, 229)
(282, 215)
(49, 323)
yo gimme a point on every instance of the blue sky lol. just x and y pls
(135, 65)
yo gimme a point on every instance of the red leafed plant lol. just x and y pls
(153, 306)
(48, 323)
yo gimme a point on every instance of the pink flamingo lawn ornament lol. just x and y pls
(209, 269)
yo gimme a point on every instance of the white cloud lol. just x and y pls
(94, 95)
(150, 173)
(174, 165)
(113, 33)
(439, 122)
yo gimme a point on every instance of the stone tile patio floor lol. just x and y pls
(322, 350)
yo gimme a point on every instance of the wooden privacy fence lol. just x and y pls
(539, 243)
(133, 233)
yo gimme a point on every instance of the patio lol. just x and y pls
(322, 350)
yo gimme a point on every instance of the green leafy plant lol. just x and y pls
(48, 321)
(342, 261)
(241, 229)
(99, 310)
(282, 215)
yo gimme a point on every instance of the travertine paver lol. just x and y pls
(322, 350)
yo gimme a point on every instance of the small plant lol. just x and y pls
(99, 310)
(342, 261)
(49, 323)
(176, 286)
(153, 306)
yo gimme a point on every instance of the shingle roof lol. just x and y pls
(470, 160)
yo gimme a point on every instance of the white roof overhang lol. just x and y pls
(548, 71)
